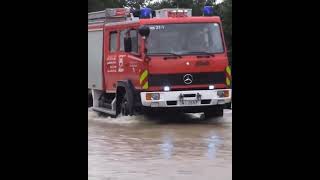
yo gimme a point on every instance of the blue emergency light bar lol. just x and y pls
(208, 11)
(145, 13)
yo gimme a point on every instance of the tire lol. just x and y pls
(90, 100)
(228, 106)
(124, 106)
(214, 112)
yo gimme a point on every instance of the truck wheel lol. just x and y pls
(124, 110)
(228, 106)
(90, 100)
(214, 112)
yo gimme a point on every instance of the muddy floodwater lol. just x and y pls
(165, 147)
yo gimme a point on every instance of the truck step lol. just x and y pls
(104, 110)
(108, 106)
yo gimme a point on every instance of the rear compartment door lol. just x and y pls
(111, 65)
(95, 74)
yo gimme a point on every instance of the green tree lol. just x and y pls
(98, 5)
(183, 3)
(226, 13)
(160, 5)
(136, 4)
(95, 5)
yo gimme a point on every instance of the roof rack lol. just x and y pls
(173, 12)
(109, 15)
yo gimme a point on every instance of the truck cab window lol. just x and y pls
(185, 38)
(134, 40)
(113, 42)
(122, 35)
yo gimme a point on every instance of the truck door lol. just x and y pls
(132, 61)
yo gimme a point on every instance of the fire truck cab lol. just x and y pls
(157, 60)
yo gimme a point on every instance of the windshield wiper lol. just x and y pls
(166, 54)
(199, 53)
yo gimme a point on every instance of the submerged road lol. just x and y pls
(167, 147)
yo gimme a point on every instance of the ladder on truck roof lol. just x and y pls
(109, 15)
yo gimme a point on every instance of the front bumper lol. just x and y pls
(182, 98)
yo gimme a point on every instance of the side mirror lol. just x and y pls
(144, 31)
(127, 44)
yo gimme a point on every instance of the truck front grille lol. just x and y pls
(178, 79)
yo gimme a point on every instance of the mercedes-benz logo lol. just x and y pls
(187, 79)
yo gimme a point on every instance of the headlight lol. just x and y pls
(220, 94)
(211, 87)
(152, 96)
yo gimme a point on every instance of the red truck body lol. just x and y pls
(150, 73)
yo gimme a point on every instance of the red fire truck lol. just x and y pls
(157, 60)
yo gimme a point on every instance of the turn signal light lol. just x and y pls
(226, 93)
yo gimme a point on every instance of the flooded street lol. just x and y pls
(160, 148)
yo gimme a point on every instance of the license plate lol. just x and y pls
(190, 102)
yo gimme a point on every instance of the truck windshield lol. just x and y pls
(185, 39)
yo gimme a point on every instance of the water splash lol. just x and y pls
(95, 117)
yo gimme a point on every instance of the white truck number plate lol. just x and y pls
(190, 102)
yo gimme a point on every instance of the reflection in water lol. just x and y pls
(212, 147)
(167, 146)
